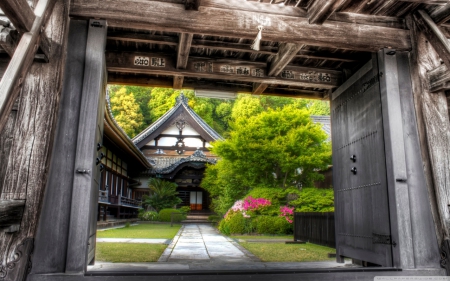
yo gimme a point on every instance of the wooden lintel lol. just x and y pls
(149, 81)
(435, 36)
(439, 79)
(235, 47)
(183, 49)
(11, 212)
(441, 15)
(178, 82)
(221, 69)
(319, 11)
(22, 60)
(170, 17)
(19, 13)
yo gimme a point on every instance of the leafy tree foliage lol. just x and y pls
(276, 148)
(127, 112)
(163, 194)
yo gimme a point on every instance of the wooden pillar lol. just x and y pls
(434, 130)
(53, 226)
(28, 160)
(81, 242)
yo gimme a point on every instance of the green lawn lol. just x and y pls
(141, 231)
(281, 252)
(255, 237)
(121, 252)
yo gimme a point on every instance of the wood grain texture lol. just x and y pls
(319, 11)
(222, 69)
(439, 79)
(441, 15)
(433, 128)
(178, 82)
(26, 168)
(437, 39)
(152, 15)
(183, 49)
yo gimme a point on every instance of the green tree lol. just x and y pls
(163, 194)
(126, 112)
(276, 148)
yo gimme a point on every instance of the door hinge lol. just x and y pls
(383, 239)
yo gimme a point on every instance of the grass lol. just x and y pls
(121, 252)
(255, 237)
(141, 231)
(281, 252)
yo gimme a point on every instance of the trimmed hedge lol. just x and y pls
(148, 216)
(165, 215)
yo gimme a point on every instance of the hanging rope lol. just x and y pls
(257, 42)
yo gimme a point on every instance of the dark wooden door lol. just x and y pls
(359, 170)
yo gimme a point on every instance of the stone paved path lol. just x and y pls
(198, 242)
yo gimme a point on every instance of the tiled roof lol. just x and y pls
(166, 165)
(325, 121)
(182, 100)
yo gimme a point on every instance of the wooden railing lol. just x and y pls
(129, 202)
(104, 197)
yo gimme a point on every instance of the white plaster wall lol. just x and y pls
(173, 130)
(167, 141)
(193, 142)
(152, 143)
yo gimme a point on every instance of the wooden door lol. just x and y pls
(363, 229)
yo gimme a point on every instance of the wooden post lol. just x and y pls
(90, 127)
(53, 228)
(434, 130)
(27, 162)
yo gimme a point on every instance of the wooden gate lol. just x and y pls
(363, 229)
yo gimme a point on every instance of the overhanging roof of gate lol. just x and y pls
(308, 47)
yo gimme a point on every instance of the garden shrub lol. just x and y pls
(148, 216)
(272, 225)
(165, 215)
(236, 222)
(224, 227)
(314, 200)
(275, 195)
(185, 209)
(214, 218)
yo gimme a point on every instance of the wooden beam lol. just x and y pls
(19, 13)
(183, 49)
(439, 79)
(437, 39)
(169, 17)
(319, 11)
(441, 15)
(285, 54)
(235, 47)
(221, 69)
(150, 81)
(428, 2)
(178, 82)
(22, 60)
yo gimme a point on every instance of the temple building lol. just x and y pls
(177, 146)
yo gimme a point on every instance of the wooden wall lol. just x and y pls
(434, 130)
(25, 151)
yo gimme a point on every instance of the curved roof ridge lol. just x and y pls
(181, 100)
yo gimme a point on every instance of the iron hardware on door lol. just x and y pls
(353, 170)
(353, 158)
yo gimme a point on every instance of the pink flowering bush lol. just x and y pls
(252, 204)
(287, 212)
